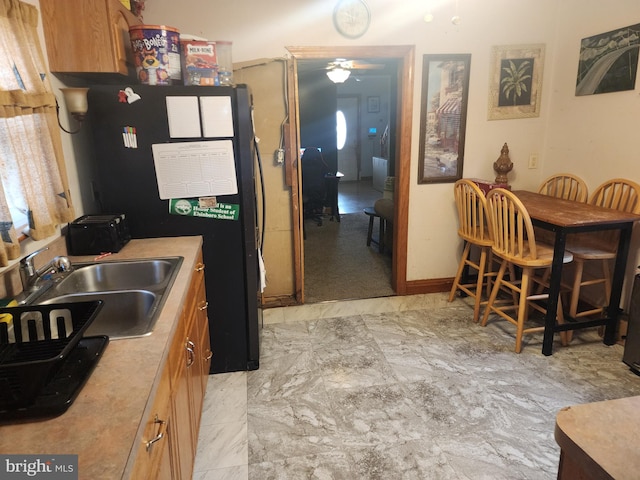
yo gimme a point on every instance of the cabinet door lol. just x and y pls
(199, 341)
(119, 23)
(87, 36)
(184, 453)
(205, 344)
(166, 469)
(194, 372)
(185, 448)
(202, 320)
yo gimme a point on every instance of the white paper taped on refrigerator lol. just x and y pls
(183, 117)
(195, 169)
(217, 117)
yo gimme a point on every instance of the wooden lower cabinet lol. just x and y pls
(180, 401)
(152, 453)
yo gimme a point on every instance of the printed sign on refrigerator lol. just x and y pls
(193, 207)
(195, 169)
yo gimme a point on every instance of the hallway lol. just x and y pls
(353, 197)
(338, 263)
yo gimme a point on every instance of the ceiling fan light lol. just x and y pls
(338, 75)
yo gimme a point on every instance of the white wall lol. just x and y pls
(594, 137)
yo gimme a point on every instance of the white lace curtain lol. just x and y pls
(32, 167)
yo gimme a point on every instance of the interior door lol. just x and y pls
(349, 154)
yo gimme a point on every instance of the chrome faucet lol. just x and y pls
(29, 275)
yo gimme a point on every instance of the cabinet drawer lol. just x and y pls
(153, 443)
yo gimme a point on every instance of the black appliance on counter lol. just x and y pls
(145, 166)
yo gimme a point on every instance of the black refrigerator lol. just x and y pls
(180, 161)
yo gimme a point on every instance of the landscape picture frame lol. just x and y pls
(515, 83)
(443, 115)
(609, 61)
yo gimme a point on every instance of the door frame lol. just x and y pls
(405, 56)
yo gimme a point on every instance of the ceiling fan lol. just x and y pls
(353, 65)
(339, 70)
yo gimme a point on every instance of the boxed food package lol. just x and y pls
(199, 62)
(156, 50)
(487, 185)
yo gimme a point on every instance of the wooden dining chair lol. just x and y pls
(560, 185)
(471, 206)
(565, 185)
(600, 247)
(514, 242)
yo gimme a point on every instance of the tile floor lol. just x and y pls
(399, 388)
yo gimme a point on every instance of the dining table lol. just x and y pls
(564, 217)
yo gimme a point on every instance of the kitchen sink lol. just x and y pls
(133, 293)
(128, 313)
(126, 275)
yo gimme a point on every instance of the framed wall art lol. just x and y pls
(373, 104)
(445, 88)
(609, 61)
(515, 85)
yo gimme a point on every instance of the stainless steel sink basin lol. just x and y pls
(124, 313)
(133, 293)
(136, 274)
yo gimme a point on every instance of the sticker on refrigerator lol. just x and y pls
(191, 207)
(195, 169)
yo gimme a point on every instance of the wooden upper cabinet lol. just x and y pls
(88, 36)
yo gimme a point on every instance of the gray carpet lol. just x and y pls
(338, 264)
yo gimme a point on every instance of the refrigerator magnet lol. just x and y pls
(128, 96)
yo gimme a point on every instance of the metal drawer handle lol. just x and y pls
(191, 351)
(209, 356)
(200, 267)
(161, 432)
(204, 306)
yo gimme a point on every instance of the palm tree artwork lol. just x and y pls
(515, 82)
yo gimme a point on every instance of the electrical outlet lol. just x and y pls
(533, 160)
(280, 155)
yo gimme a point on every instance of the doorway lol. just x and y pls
(404, 56)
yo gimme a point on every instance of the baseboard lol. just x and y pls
(434, 285)
(279, 301)
(414, 287)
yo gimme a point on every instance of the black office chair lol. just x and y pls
(314, 189)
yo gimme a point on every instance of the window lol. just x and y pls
(341, 127)
(34, 190)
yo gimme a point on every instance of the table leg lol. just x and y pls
(613, 309)
(554, 292)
